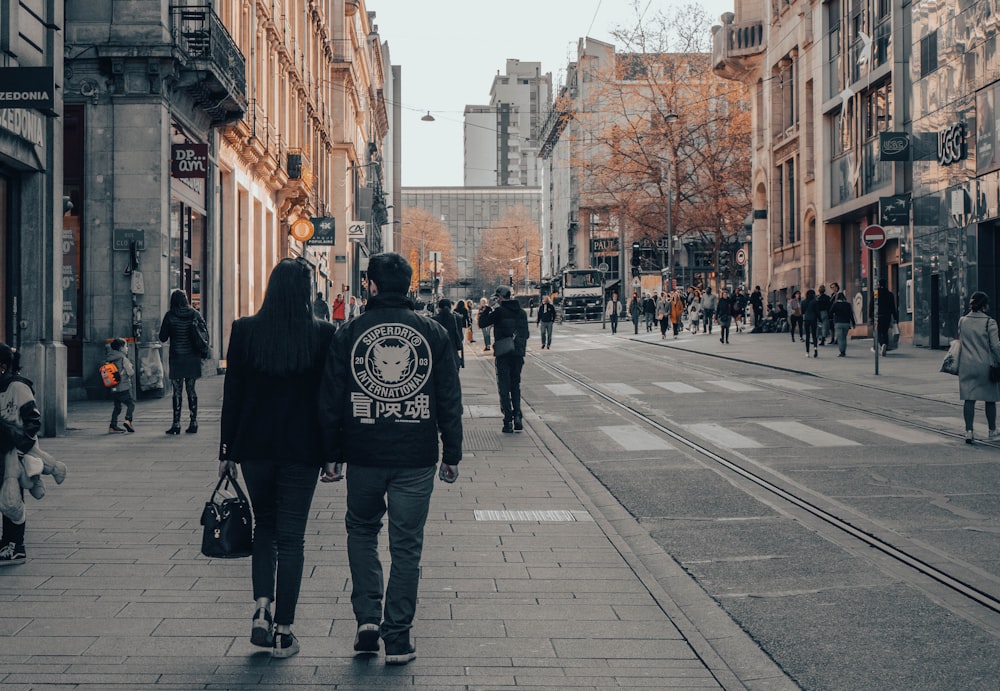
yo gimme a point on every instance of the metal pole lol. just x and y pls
(670, 227)
(873, 283)
(604, 306)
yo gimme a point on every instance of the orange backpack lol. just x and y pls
(109, 374)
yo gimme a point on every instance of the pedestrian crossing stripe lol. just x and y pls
(733, 385)
(634, 438)
(678, 387)
(565, 390)
(789, 384)
(897, 432)
(724, 437)
(806, 434)
(622, 389)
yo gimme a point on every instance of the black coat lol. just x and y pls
(185, 360)
(508, 319)
(390, 388)
(267, 417)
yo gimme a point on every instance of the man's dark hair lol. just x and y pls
(118, 344)
(503, 292)
(444, 303)
(390, 272)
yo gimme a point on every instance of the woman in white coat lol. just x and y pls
(980, 348)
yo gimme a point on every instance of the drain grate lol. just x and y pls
(535, 516)
(476, 439)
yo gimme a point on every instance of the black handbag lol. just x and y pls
(227, 531)
(503, 346)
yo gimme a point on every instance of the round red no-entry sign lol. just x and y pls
(873, 237)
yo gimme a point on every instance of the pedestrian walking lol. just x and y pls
(834, 292)
(20, 422)
(450, 322)
(635, 311)
(486, 331)
(977, 332)
(337, 311)
(757, 305)
(676, 313)
(321, 310)
(708, 305)
(663, 314)
(462, 312)
(823, 304)
(509, 321)
(271, 428)
(724, 313)
(887, 313)
(649, 311)
(810, 313)
(545, 320)
(739, 301)
(612, 311)
(843, 321)
(694, 312)
(390, 389)
(181, 326)
(121, 393)
(795, 314)
(353, 308)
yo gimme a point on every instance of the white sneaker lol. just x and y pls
(968, 436)
(994, 435)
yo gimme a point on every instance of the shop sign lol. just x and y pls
(323, 230)
(951, 144)
(189, 160)
(27, 87)
(894, 210)
(24, 124)
(893, 146)
(603, 245)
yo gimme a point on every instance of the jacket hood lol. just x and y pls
(186, 312)
(512, 305)
(115, 356)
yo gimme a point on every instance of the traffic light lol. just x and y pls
(510, 277)
(724, 263)
(636, 258)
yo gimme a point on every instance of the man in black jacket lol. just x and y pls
(509, 320)
(389, 390)
(449, 321)
(887, 313)
(546, 318)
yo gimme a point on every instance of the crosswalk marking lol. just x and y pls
(892, 431)
(634, 438)
(807, 435)
(723, 437)
(564, 389)
(733, 385)
(789, 384)
(678, 387)
(622, 389)
(953, 423)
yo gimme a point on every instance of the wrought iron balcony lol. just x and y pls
(213, 69)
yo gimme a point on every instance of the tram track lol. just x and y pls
(900, 555)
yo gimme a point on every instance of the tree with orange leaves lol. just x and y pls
(510, 244)
(423, 233)
(662, 136)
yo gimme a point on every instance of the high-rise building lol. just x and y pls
(502, 138)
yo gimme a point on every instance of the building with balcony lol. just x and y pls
(207, 141)
(824, 83)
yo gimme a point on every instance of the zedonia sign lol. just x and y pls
(27, 87)
(189, 160)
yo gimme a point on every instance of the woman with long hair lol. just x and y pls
(179, 326)
(795, 314)
(810, 315)
(270, 426)
(977, 332)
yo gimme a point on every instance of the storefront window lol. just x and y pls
(6, 329)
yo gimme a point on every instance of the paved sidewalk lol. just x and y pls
(116, 595)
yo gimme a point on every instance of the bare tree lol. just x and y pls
(504, 244)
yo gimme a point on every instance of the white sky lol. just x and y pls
(450, 50)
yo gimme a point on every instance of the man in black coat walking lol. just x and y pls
(887, 313)
(509, 321)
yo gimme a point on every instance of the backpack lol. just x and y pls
(199, 337)
(109, 375)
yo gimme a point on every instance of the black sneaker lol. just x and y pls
(11, 554)
(400, 651)
(115, 429)
(507, 428)
(518, 424)
(285, 645)
(262, 634)
(366, 640)
(128, 426)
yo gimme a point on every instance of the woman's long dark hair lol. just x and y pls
(979, 302)
(284, 338)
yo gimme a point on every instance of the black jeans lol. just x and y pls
(122, 398)
(281, 493)
(810, 327)
(614, 323)
(509, 385)
(793, 320)
(709, 314)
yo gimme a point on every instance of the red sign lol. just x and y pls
(873, 237)
(189, 160)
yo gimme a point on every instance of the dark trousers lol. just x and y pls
(406, 494)
(614, 323)
(883, 330)
(12, 532)
(509, 385)
(122, 398)
(709, 314)
(176, 385)
(281, 494)
(664, 323)
(795, 321)
(635, 322)
(810, 328)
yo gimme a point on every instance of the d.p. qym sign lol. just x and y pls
(189, 160)
(951, 144)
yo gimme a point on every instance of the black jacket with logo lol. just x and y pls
(390, 388)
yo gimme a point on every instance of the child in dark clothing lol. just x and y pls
(121, 393)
